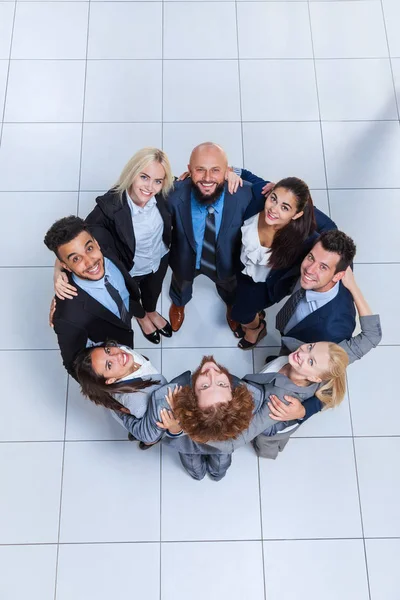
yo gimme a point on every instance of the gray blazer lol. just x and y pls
(262, 385)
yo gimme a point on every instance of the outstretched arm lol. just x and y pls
(371, 332)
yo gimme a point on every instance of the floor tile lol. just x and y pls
(6, 27)
(383, 557)
(29, 511)
(362, 155)
(87, 421)
(47, 155)
(329, 509)
(124, 100)
(90, 571)
(107, 147)
(234, 570)
(290, 37)
(110, 471)
(277, 90)
(391, 10)
(125, 30)
(50, 30)
(38, 565)
(342, 85)
(270, 152)
(184, 32)
(40, 210)
(320, 200)
(55, 91)
(372, 279)
(355, 212)
(222, 78)
(216, 505)
(3, 82)
(348, 29)
(87, 202)
(179, 139)
(195, 331)
(379, 481)
(338, 570)
(25, 299)
(37, 412)
(396, 77)
(176, 361)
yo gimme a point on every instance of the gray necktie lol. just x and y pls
(287, 311)
(207, 262)
(115, 295)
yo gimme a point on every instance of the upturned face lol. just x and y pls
(280, 208)
(147, 183)
(211, 383)
(83, 257)
(318, 269)
(311, 361)
(112, 362)
(207, 169)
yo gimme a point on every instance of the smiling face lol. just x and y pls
(311, 361)
(147, 183)
(83, 257)
(112, 363)
(281, 208)
(211, 383)
(318, 269)
(207, 167)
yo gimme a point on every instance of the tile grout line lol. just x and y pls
(239, 80)
(319, 106)
(261, 527)
(61, 488)
(192, 122)
(358, 487)
(390, 61)
(83, 106)
(8, 74)
(229, 59)
(161, 300)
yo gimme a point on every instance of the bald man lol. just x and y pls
(206, 234)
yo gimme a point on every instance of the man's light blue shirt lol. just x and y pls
(98, 291)
(199, 215)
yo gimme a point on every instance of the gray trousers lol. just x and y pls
(197, 465)
(269, 446)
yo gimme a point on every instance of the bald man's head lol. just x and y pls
(207, 167)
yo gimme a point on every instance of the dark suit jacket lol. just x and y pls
(280, 282)
(82, 318)
(183, 247)
(113, 213)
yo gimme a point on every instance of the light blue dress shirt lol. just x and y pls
(199, 215)
(98, 291)
(311, 302)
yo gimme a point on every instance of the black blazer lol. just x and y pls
(113, 213)
(82, 318)
(183, 247)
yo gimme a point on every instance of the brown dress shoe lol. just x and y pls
(232, 324)
(176, 316)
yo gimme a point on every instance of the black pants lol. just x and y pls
(251, 297)
(150, 289)
(181, 290)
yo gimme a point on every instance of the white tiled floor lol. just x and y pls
(288, 88)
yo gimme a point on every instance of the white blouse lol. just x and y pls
(253, 255)
(146, 368)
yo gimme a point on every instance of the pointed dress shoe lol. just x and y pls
(176, 316)
(166, 331)
(153, 337)
(232, 324)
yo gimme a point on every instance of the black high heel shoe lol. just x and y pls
(239, 331)
(245, 345)
(153, 337)
(166, 331)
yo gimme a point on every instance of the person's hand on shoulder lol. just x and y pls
(267, 188)
(233, 179)
(286, 412)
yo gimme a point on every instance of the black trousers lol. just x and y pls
(251, 297)
(150, 289)
(181, 290)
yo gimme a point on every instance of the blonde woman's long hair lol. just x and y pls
(332, 391)
(138, 163)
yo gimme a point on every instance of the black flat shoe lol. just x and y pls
(153, 337)
(144, 446)
(166, 331)
(245, 345)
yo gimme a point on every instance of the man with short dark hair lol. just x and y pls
(106, 294)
